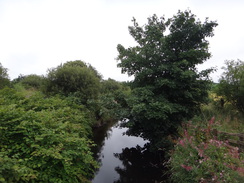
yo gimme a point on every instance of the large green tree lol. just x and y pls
(167, 86)
(231, 85)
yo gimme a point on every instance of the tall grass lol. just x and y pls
(227, 118)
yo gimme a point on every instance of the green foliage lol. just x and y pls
(199, 156)
(74, 78)
(111, 103)
(43, 139)
(30, 81)
(110, 86)
(4, 79)
(167, 88)
(231, 85)
(229, 119)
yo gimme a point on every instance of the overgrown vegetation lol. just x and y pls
(43, 139)
(228, 117)
(46, 121)
(200, 156)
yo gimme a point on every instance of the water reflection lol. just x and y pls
(100, 134)
(140, 165)
(124, 159)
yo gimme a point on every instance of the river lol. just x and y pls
(122, 158)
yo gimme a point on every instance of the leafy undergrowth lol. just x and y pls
(200, 156)
(43, 139)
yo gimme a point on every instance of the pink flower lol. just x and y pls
(186, 134)
(181, 142)
(188, 168)
(200, 152)
(240, 170)
(205, 146)
(211, 121)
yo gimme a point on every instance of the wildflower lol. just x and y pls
(181, 142)
(186, 134)
(200, 152)
(188, 168)
(205, 146)
(240, 170)
(211, 121)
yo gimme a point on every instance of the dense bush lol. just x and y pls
(74, 78)
(31, 81)
(199, 156)
(110, 86)
(43, 140)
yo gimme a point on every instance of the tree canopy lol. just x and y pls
(167, 88)
(74, 78)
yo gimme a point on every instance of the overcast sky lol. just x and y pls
(36, 35)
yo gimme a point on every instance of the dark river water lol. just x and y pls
(124, 159)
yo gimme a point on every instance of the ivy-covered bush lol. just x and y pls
(43, 140)
(199, 156)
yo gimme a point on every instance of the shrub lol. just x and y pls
(75, 79)
(200, 157)
(33, 81)
(43, 140)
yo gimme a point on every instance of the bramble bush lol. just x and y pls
(199, 156)
(43, 140)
